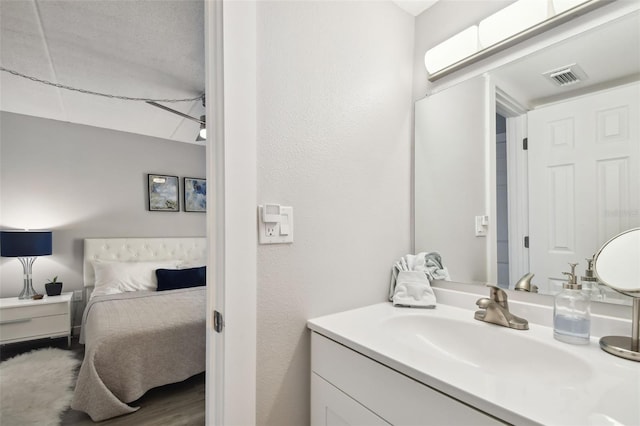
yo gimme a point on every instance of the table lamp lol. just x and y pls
(26, 246)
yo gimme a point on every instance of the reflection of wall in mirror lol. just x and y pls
(450, 174)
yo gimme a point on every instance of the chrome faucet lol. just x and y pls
(495, 310)
(524, 284)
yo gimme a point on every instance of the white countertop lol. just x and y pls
(549, 382)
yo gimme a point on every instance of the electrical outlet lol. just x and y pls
(276, 226)
(77, 295)
(271, 229)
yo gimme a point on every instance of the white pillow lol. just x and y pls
(186, 264)
(120, 277)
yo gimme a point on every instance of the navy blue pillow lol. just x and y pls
(173, 279)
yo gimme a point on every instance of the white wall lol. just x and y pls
(80, 182)
(334, 141)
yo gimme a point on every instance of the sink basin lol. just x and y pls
(478, 345)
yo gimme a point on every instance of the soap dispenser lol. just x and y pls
(590, 282)
(571, 312)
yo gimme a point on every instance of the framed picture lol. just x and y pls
(164, 193)
(195, 195)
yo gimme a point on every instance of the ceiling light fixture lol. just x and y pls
(202, 135)
(203, 127)
(452, 50)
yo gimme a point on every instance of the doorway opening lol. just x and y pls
(502, 202)
(512, 194)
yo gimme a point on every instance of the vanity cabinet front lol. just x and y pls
(348, 388)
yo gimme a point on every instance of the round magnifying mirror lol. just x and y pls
(617, 264)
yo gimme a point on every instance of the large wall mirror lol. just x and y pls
(496, 211)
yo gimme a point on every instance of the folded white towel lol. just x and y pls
(413, 289)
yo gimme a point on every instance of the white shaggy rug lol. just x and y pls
(36, 387)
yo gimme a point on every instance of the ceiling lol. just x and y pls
(609, 55)
(143, 48)
(155, 49)
(415, 7)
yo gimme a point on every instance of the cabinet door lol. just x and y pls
(332, 407)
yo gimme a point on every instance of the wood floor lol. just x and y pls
(178, 404)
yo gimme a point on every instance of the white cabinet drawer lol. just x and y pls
(33, 311)
(330, 406)
(396, 398)
(34, 327)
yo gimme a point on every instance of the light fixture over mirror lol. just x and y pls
(513, 24)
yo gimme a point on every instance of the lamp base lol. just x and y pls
(27, 291)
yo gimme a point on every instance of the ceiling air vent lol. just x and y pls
(566, 75)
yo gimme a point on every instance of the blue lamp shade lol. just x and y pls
(25, 243)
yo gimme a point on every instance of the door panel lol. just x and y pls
(584, 156)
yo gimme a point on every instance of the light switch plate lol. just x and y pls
(276, 232)
(481, 223)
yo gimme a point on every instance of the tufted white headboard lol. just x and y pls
(189, 249)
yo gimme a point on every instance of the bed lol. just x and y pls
(140, 338)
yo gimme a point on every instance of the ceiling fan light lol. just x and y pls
(203, 127)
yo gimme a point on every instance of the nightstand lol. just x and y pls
(28, 319)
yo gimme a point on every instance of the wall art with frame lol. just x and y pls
(195, 195)
(163, 193)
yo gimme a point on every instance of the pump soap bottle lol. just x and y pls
(590, 282)
(571, 312)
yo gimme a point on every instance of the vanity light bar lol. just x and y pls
(452, 50)
(512, 20)
(558, 12)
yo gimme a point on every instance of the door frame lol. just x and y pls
(517, 182)
(230, 73)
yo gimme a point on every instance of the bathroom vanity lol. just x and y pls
(347, 387)
(381, 365)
